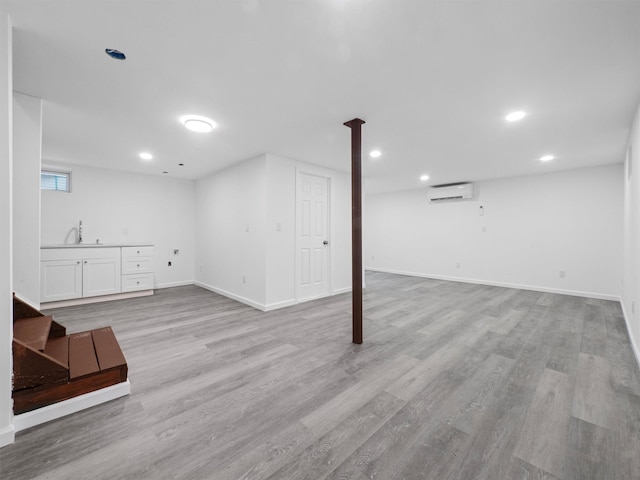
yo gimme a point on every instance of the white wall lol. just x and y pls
(535, 227)
(281, 209)
(6, 309)
(27, 152)
(126, 207)
(260, 192)
(230, 231)
(631, 263)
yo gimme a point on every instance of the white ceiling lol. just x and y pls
(432, 79)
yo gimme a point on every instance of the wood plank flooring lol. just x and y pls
(453, 381)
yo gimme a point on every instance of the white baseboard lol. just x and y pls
(88, 300)
(67, 407)
(277, 305)
(261, 306)
(576, 293)
(7, 436)
(340, 291)
(634, 345)
(232, 296)
(175, 284)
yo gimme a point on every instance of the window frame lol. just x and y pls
(55, 172)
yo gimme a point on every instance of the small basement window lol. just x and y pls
(58, 181)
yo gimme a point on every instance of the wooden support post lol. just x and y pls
(356, 225)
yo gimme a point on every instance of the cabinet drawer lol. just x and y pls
(131, 283)
(137, 265)
(137, 251)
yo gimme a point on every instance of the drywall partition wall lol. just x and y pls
(6, 324)
(280, 232)
(631, 263)
(245, 231)
(230, 232)
(27, 152)
(557, 232)
(120, 207)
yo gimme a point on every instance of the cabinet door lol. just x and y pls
(100, 276)
(60, 280)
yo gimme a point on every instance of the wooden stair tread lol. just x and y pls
(82, 356)
(58, 348)
(107, 349)
(33, 331)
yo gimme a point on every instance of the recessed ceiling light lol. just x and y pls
(146, 156)
(424, 178)
(375, 153)
(515, 116)
(116, 54)
(197, 123)
(547, 158)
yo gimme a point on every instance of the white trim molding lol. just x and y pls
(7, 436)
(575, 293)
(634, 345)
(73, 405)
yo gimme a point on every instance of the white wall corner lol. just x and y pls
(7, 436)
(634, 345)
(233, 296)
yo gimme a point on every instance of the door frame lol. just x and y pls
(296, 261)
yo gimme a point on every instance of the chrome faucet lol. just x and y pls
(80, 232)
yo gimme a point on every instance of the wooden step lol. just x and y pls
(33, 368)
(58, 348)
(108, 351)
(33, 331)
(82, 356)
(95, 361)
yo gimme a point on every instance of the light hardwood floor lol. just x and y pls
(454, 381)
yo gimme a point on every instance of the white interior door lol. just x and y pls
(312, 237)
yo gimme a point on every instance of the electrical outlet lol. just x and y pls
(563, 274)
(484, 229)
(168, 264)
(373, 258)
(201, 269)
(244, 279)
(457, 264)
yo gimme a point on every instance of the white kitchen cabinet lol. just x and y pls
(60, 279)
(71, 273)
(101, 276)
(137, 268)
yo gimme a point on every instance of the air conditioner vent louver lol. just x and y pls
(459, 191)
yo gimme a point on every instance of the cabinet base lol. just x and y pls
(104, 298)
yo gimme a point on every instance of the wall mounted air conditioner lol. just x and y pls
(456, 191)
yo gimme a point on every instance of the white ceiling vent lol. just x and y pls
(457, 191)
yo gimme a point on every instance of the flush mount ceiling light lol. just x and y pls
(375, 153)
(146, 156)
(547, 158)
(197, 123)
(424, 178)
(515, 116)
(116, 54)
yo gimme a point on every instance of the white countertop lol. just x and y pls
(98, 245)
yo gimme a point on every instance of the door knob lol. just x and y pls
(326, 242)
